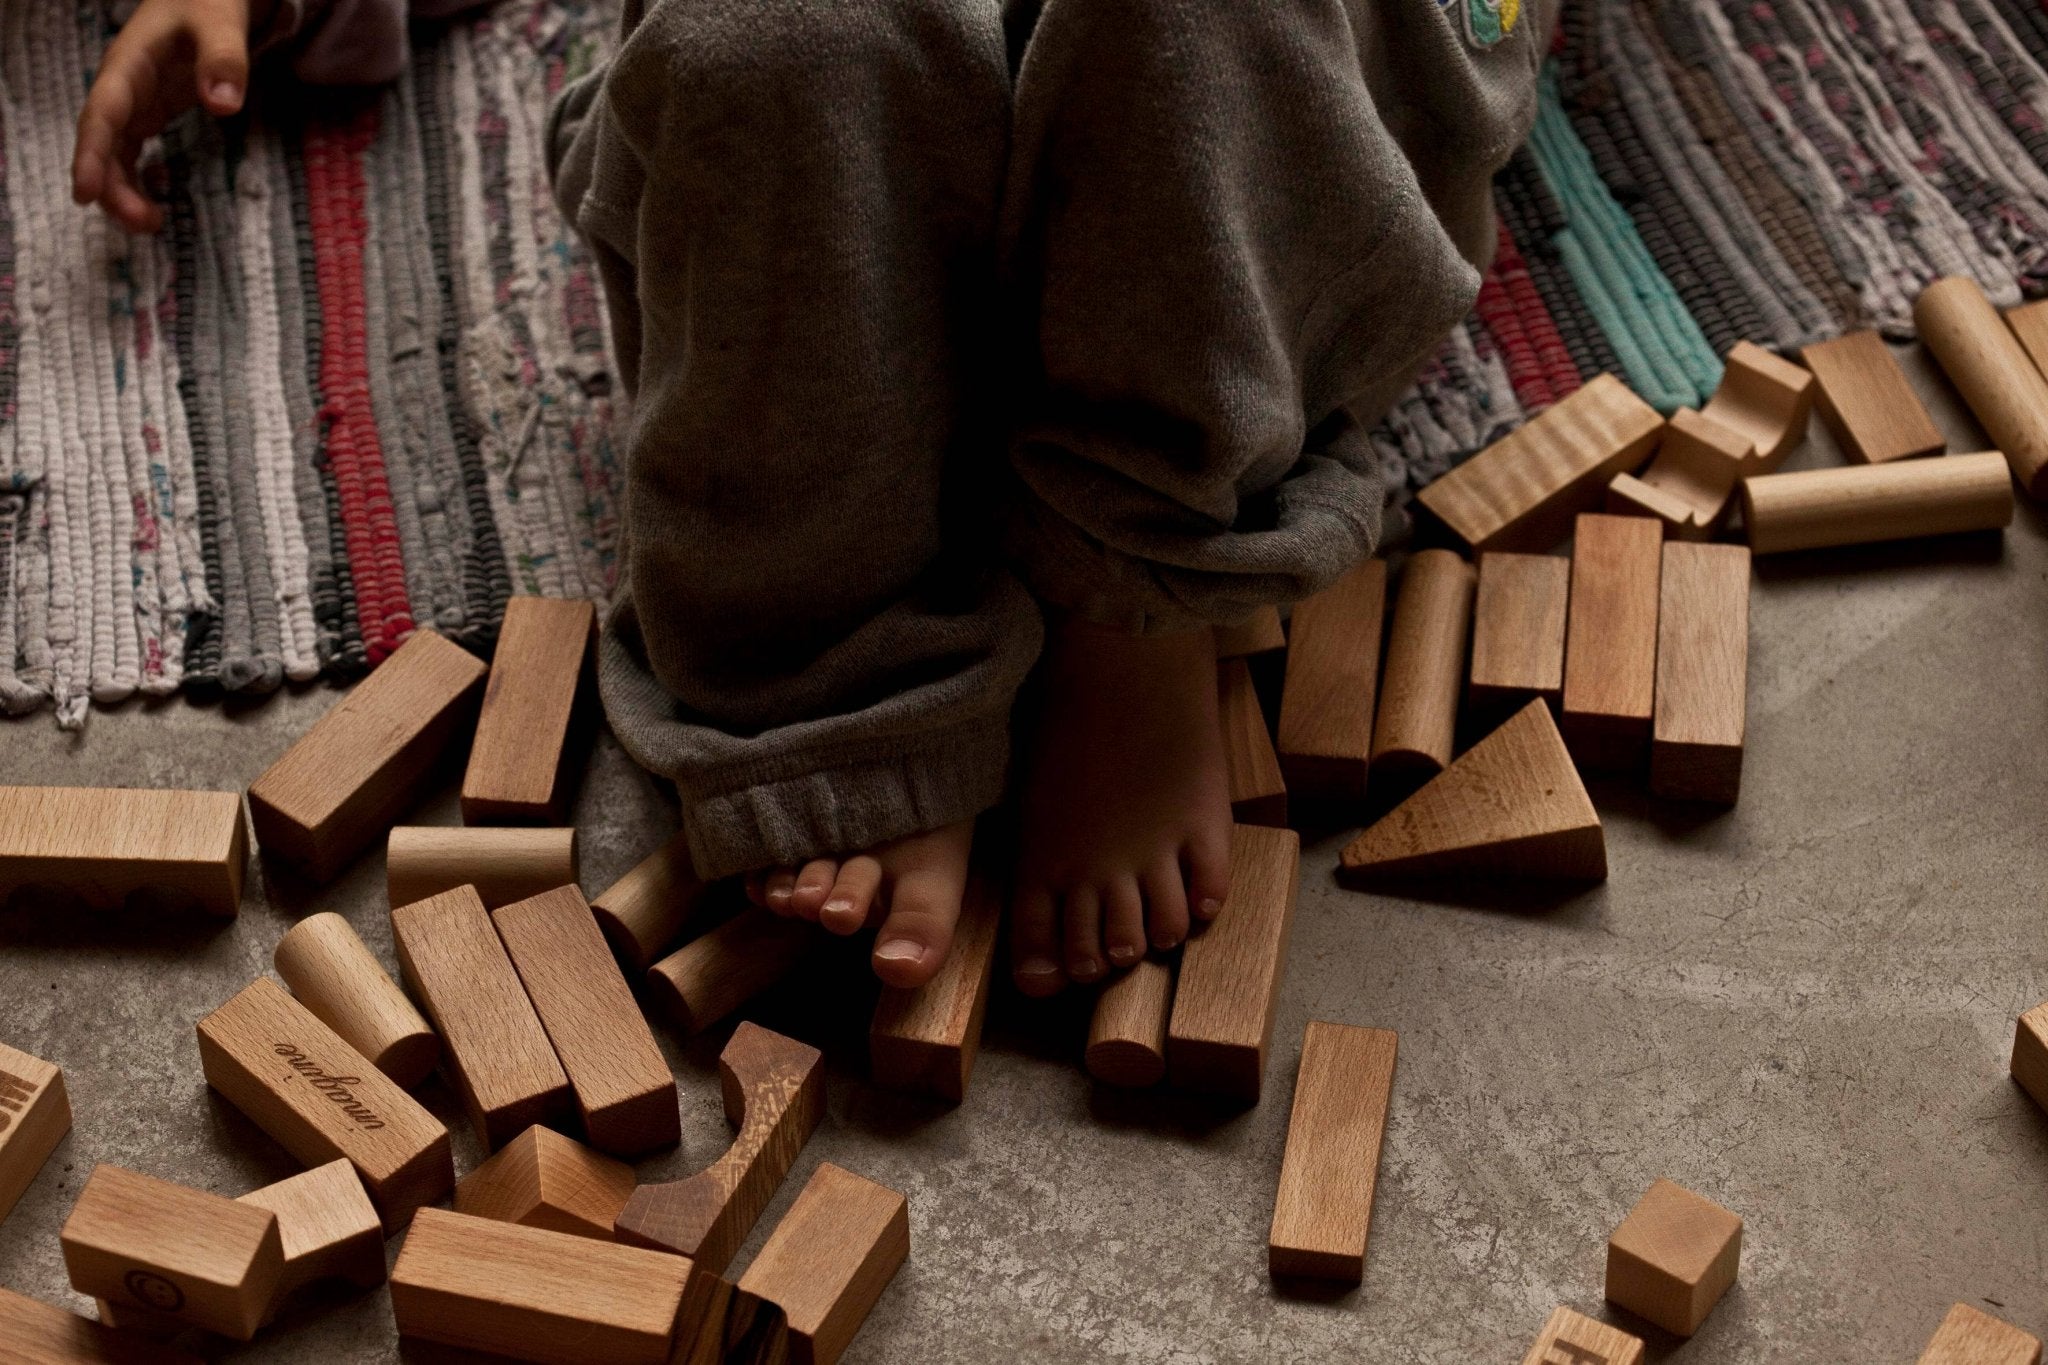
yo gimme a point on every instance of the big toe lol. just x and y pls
(913, 941)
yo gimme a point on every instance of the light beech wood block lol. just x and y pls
(2030, 1053)
(1259, 633)
(1868, 401)
(181, 1253)
(521, 768)
(1418, 710)
(504, 865)
(1323, 1210)
(541, 1179)
(1230, 971)
(1698, 464)
(1518, 619)
(493, 1046)
(349, 778)
(1511, 806)
(1258, 793)
(1629, 496)
(2029, 324)
(774, 1090)
(334, 975)
(1815, 508)
(1333, 664)
(643, 912)
(328, 1228)
(35, 1114)
(926, 1039)
(1127, 1033)
(624, 1089)
(101, 845)
(35, 1333)
(1673, 1258)
(1574, 1339)
(1610, 647)
(1990, 368)
(1766, 399)
(1702, 673)
(829, 1260)
(712, 975)
(1969, 1336)
(323, 1101)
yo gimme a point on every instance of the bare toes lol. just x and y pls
(1206, 862)
(775, 891)
(852, 896)
(813, 884)
(1034, 942)
(1166, 906)
(915, 938)
(1123, 923)
(1083, 918)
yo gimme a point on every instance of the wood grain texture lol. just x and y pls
(1970, 1336)
(1814, 508)
(348, 779)
(521, 767)
(1418, 710)
(2029, 324)
(493, 1046)
(774, 1090)
(1702, 673)
(926, 1039)
(35, 1114)
(1867, 400)
(643, 912)
(1989, 367)
(322, 1100)
(102, 845)
(1518, 619)
(1230, 971)
(504, 865)
(2030, 1053)
(327, 1227)
(1766, 399)
(1258, 792)
(1127, 1032)
(334, 975)
(35, 1333)
(711, 976)
(829, 1260)
(1259, 633)
(722, 1324)
(1629, 496)
(1333, 665)
(1610, 647)
(1323, 1210)
(541, 1179)
(1698, 464)
(1571, 1338)
(1673, 1258)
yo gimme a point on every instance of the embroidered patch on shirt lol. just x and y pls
(1489, 21)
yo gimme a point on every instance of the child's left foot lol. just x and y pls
(914, 886)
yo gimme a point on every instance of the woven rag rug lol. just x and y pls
(361, 383)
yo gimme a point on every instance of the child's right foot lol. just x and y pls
(915, 884)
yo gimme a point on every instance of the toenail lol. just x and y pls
(1039, 966)
(899, 950)
(1209, 909)
(1087, 967)
(1123, 954)
(1162, 944)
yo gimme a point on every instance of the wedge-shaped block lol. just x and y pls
(1323, 1210)
(1868, 401)
(1258, 792)
(829, 1259)
(35, 1114)
(1766, 399)
(926, 1039)
(1673, 1258)
(1230, 971)
(1969, 1336)
(1574, 1339)
(543, 1180)
(522, 766)
(35, 1333)
(1326, 708)
(102, 845)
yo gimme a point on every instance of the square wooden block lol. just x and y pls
(2030, 1053)
(1574, 1339)
(1673, 1257)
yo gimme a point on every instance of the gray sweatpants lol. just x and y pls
(935, 311)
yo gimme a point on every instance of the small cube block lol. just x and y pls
(1673, 1257)
(1968, 1336)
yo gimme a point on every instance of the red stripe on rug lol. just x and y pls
(1560, 374)
(1517, 353)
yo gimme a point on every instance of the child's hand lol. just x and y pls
(171, 55)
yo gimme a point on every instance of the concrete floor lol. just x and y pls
(1802, 1009)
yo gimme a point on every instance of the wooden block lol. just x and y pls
(643, 912)
(1127, 1034)
(1230, 971)
(829, 1259)
(1813, 508)
(101, 845)
(34, 1333)
(534, 1294)
(624, 1088)
(2029, 324)
(1511, 806)
(1518, 631)
(335, 977)
(1673, 1258)
(322, 1100)
(2030, 1053)
(504, 865)
(1989, 367)
(1258, 793)
(1521, 492)
(1574, 1339)
(1259, 633)
(328, 1228)
(1323, 1210)
(711, 976)
(351, 776)
(1698, 464)
(493, 1044)
(1418, 710)
(1868, 401)
(521, 768)
(1968, 1336)
(926, 1039)
(1610, 648)
(1702, 673)
(541, 1179)
(1765, 399)
(182, 1253)
(774, 1090)
(1629, 496)
(1333, 666)
(35, 1114)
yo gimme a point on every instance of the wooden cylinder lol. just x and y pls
(504, 865)
(1853, 504)
(710, 977)
(1418, 716)
(1127, 1037)
(338, 981)
(643, 912)
(1991, 370)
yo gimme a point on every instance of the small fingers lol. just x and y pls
(852, 897)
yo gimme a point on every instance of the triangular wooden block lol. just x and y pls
(1512, 805)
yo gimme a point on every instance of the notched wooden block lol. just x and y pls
(102, 845)
(1518, 623)
(1765, 399)
(643, 912)
(1968, 1336)
(35, 1114)
(1629, 496)
(522, 767)
(327, 1226)
(36, 1333)
(541, 1179)
(1574, 1339)
(926, 1039)
(1323, 1210)
(504, 865)
(829, 1260)
(1326, 707)
(1610, 652)
(1230, 971)
(1867, 400)
(1258, 793)
(1698, 464)
(1673, 1258)
(714, 974)
(1702, 673)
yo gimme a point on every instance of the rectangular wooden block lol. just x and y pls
(348, 779)
(1518, 623)
(829, 1259)
(1258, 793)
(1324, 1208)
(1610, 653)
(322, 1100)
(623, 1084)
(35, 1333)
(1333, 667)
(1673, 1257)
(521, 769)
(2030, 1053)
(1574, 1339)
(104, 844)
(926, 1039)
(1230, 971)
(492, 1042)
(1868, 401)
(1968, 1336)
(1702, 673)
(35, 1114)
(1260, 633)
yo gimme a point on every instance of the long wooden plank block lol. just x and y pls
(1816, 508)
(1260, 633)
(1518, 621)
(35, 1114)
(1991, 370)
(1323, 1211)
(504, 865)
(829, 1260)
(333, 974)
(1230, 971)
(1333, 665)
(927, 1039)
(1258, 793)
(1702, 673)
(1970, 1336)
(35, 1333)
(521, 770)
(101, 845)
(1867, 400)
(1574, 1339)
(714, 974)
(1418, 711)
(643, 912)
(1610, 652)
(1127, 1033)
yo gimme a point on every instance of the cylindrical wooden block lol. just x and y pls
(1853, 504)
(338, 981)
(1418, 715)
(1127, 1038)
(644, 911)
(1986, 363)
(504, 865)
(710, 977)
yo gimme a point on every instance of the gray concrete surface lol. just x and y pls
(1802, 1009)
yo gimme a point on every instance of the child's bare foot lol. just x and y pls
(1126, 808)
(916, 885)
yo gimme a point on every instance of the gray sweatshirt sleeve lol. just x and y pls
(347, 42)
